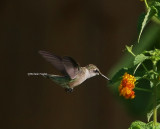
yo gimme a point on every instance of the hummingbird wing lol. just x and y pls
(55, 60)
(71, 66)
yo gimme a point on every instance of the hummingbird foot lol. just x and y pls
(69, 90)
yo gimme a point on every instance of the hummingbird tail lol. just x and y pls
(37, 74)
(61, 80)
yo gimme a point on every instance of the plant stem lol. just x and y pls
(155, 106)
(155, 96)
(146, 3)
(142, 89)
(132, 53)
(144, 67)
(139, 63)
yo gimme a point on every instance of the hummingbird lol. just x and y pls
(72, 73)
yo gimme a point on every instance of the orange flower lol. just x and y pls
(127, 85)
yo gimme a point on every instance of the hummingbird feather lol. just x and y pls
(66, 65)
(55, 60)
(71, 66)
(60, 80)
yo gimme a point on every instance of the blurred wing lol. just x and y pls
(71, 66)
(55, 60)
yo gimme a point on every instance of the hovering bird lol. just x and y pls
(72, 74)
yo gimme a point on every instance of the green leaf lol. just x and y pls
(151, 84)
(129, 49)
(150, 13)
(142, 125)
(156, 5)
(149, 114)
(140, 58)
(150, 125)
(138, 125)
(118, 76)
(138, 78)
(153, 55)
(140, 20)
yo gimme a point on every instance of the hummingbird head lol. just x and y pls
(93, 71)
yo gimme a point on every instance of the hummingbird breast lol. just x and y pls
(80, 77)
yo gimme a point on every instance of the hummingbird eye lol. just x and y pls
(96, 71)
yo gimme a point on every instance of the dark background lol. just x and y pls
(91, 31)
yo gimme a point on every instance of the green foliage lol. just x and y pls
(154, 55)
(140, 58)
(150, 113)
(156, 5)
(150, 125)
(145, 67)
(129, 49)
(150, 13)
(142, 125)
(118, 76)
(143, 73)
(153, 10)
(138, 125)
(146, 79)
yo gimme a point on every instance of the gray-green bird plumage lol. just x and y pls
(72, 74)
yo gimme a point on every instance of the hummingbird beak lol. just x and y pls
(104, 76)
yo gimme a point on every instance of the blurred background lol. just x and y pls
(90, 31)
